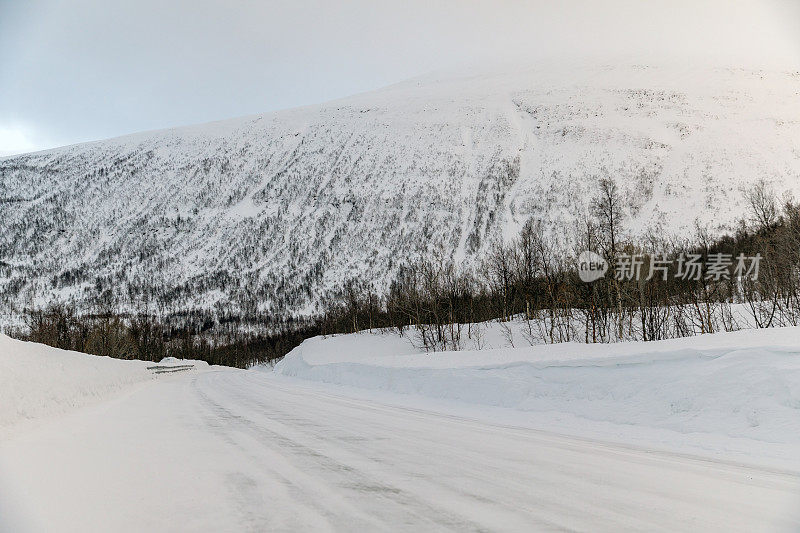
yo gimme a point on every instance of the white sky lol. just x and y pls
(77, 70)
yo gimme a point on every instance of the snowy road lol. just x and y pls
(247, 451)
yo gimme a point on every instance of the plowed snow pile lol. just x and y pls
(38, 381)
(739, 391)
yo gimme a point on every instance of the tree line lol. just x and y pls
(656, 288)
(148, 337)
(532, 280)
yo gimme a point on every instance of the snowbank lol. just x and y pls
(38, 381)
(744, 384)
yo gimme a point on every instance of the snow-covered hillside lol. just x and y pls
(279, 207)
(736, 394)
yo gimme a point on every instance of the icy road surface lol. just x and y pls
(248, 451)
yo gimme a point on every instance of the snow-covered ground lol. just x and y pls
(735, 394)
(39, 382)
(231, 450)
(566, 437)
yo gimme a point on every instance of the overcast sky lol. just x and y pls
(78, 70)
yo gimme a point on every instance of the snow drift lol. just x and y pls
(741, 385)
(38, 380)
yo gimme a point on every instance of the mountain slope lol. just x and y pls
(278, 207)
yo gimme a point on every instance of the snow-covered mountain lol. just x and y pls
(278, 207)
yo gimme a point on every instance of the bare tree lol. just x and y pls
(763, 204)
(607, 210)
